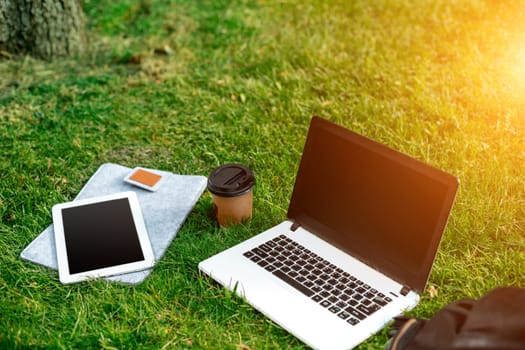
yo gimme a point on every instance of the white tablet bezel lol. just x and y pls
(61, 251)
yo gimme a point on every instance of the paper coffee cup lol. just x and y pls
(231, 188)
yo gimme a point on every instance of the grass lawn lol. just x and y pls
(185, 86)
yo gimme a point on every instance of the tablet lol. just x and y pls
(100, 236)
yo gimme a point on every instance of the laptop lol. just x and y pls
(364, 225)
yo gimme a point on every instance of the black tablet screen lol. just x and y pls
(100, 235)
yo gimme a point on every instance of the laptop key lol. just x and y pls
(349, 292)
(311, 277)
(355, 313)
(293, 283)
(368, 310)
(324, 277)
(334, 309)
(340, 286)
(304, 272)
(297, 252)
(328, 270)
(271, 244)
(374, 307)
(325, 294)
(262, 263)
(259, 252)
(301, 262)
(255, 258)
(344, 315)
(332, 299)
(308, 284)
(379, 301)
(270, 268)
(369, 295)
(317, 272)
(341, 304)
(360, 290)
(280, 257)
(325, 303)
(317, 298)
(352, 321)
(353, 302)
(309, 266)
(265, 247)
(320, 265)
(337, 292)
(319, 282)
(316, 289)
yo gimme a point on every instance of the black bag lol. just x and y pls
(495, 321)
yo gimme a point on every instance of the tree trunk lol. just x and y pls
(42, 28)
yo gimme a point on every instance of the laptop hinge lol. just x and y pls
(404, 291)
(295, 226)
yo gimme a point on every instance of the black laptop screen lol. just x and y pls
(381, 206)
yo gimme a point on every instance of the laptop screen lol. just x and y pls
(379, 205)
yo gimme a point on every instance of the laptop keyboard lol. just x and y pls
(323, 282)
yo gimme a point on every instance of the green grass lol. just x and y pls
(441, 81)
